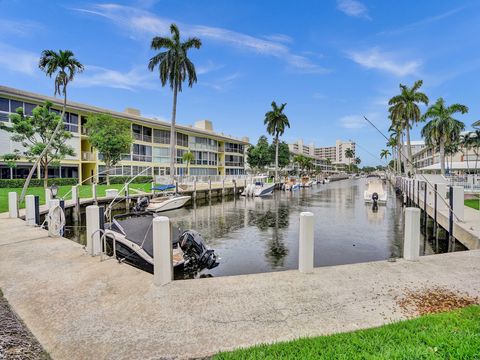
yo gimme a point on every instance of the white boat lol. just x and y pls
(306, 182)
(259, 187)
(291, 184)
(375, 192)
(167, 201)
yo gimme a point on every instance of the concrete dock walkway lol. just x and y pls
(81, 308)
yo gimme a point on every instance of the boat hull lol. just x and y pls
(169, 204)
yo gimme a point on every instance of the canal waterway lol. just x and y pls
(254, 235)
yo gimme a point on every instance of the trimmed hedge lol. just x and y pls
(124, 179)
(18, 183)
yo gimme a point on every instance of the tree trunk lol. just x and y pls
(276, 158)
(399, 151)
(45, 174)
(44, 152)
(442, 157)
(409, 151)
(173, 140)
(107, 168)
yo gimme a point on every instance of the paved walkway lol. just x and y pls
(81, 308)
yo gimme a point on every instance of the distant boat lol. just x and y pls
(259, 188)
(291, 184)
(306, 182)
(375, 192)
(168, 200)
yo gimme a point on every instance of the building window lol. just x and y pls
(71, 122)
(161, 136)
(180, 153)
(137, 131)
(142, 153)
(161, 155)
(235, 148)
(182, 140)
(14, 105)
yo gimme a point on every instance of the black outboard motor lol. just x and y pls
(194, 248)
(141, 204)
(375, 198)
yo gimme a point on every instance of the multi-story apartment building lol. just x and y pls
(427, 159)
(336, 154)
(215, 153)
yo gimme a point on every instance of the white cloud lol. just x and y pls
(373, 58)
(145, 23)
(207, 67)
(18, 60)
(221, 84)
(18, 28)
(353, 8)
(103, 77)
(352, 121)
(279, 38)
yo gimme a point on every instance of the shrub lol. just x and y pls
(124, 179)
(18, 183)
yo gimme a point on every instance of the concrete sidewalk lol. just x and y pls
(81, 308)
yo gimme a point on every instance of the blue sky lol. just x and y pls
(331, 61)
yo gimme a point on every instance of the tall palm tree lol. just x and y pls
(385, 153)
(404, 108)
(442, 129)
(349, 155)
(466, 142)
(64, 64)
(174, 68)
(187, 158)
(276, 122)
(396, 139)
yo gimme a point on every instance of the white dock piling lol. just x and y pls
(93, 225)
(30, 210)
(411, 244)
(162, 251)
(48, 197)
(94, 192)
(442, 197)
(12, 204)
(74, 192)
(458, 203)
(305, 246)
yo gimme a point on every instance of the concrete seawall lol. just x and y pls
(81, 308)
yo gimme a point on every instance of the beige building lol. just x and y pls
(215, 153)
(336, 154)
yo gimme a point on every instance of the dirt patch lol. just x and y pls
(434, 300)
(16, 341)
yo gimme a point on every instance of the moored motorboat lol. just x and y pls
(129, 238)
(306, 182)
(291, 184)
(375, 192)
(168, 200)
(259, 188)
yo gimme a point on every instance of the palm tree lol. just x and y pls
(466, 142)
(188, 157)
(396, 139)
(385, 153)
(64, 64)
(276, 122)
(349, 155)
(404, 109)
(174, 68)
(443, 129)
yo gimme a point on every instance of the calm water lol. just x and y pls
(253, 235)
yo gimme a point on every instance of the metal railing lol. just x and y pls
(88, 156)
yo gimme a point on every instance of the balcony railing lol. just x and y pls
(88, 156)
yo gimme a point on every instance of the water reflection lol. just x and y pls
(261, 235)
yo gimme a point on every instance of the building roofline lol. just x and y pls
(90, 108)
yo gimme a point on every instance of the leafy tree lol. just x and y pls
(66, 66)
(405, 112)
(283, 154)
(174, 68)
(111, 137)
(259, 155)
(303, 162)
(385, 153)
(187, 158)
(40, 137)
(442, 129)
(276, 122)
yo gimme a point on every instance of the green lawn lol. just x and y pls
(473, 203)
(450, 335)
(85, 191)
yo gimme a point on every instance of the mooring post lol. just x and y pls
(435, 212)
(127, 197)
(305, 246)
(62, 206)
(450, 213)
(209, 188)
(162, 251)
(411, 244)
(195, 189)
(37, 210)
(94, 193)
(459, 202)
(441, 193)
(12, 204)
(30, 210)
(223, 187)
(234, 187)
(48, 197)
(101, 218)
(74, 193)
(93, 225)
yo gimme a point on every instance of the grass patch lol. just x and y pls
(449, 335)
(85, 191)
(473, 203)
